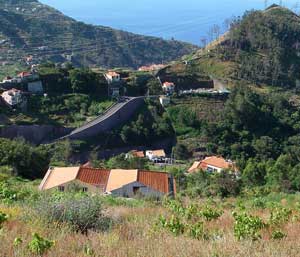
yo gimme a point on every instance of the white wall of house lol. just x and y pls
(12, 98)
(214, 169)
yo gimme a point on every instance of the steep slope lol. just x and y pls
(31, 28)
(261, 48)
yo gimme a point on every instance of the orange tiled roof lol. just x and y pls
(169, 84)
(24, 74)
(218, 162)
(159, 153)
(112, 73)
(93, 176)
(156, 180)
(139, 154)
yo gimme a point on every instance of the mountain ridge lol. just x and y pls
(32, 28)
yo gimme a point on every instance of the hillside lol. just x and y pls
(261, 48)
(29, 28)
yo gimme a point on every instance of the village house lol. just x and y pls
(168, 87)
(154, 155)
(12, 97)
(112, 77)
(213, 164)
(135, 154)
(118, 182)
(27, 76)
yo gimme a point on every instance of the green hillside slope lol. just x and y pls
(31, 28)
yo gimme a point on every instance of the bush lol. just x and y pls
(39, 245)
(247, 226)
(3, 218)
(82, 214)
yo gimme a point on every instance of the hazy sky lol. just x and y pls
(187, 20)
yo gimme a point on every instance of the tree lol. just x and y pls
(254, 173)
(181, 152)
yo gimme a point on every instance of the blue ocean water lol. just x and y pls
(186, 20)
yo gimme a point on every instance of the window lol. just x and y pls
(61, 188)
(136, 190)
(84, 189)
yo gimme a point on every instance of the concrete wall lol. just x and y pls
(35, 134)
(115, 119)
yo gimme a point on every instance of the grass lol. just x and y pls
(136, 231)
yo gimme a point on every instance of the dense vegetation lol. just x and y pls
(34, 25)
(265, 46)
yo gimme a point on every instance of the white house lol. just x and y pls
(213, 164)
(112, 77)
(12, 96)
(155, 154)
(168, 87)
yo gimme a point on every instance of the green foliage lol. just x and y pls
(181, 152)
(278, 235)
(279, 216)
(247, 226)
(196, 230)
(39, 245)
(81, 214)
(27, 161)
(211, 214)
(18, 241)
(3, 218)
(120, 161)
(174, 224)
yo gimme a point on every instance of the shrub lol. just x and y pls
(279, 216)
(278, 235)
(211, 214)
(82, 214)
(39, 245)
(174, 225)
(196, 231)
(247, 226)
(3, 218)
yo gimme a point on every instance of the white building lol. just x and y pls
(155, 154)
(168, 87)
(112, 77)
(12, 96)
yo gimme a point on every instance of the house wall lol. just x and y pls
(77, 183)
(127, 191)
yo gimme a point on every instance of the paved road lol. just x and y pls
(97, 123)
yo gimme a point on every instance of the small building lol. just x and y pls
(164, 100)
(152, 155)
(168, 87)
(35, 87)
(213, 164)
(118, 182)
(153, 67)
(27, 76)
(12, 97)
(112, 77)
(135, 154)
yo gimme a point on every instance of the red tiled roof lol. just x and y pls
(93, 176)
(169, 84)
(156, 180)
(24, 74)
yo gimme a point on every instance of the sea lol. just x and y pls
(184, 20)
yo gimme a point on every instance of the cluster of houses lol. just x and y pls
(28, 81)
(127, 183)
(155, 156)
(117, 182)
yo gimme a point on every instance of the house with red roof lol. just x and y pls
(168, 87)
(213, 164)
(118, 182)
